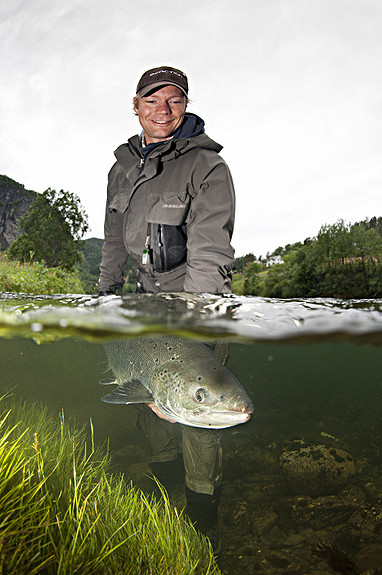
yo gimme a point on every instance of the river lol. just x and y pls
(302, 481)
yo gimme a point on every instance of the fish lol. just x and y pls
(183, 378)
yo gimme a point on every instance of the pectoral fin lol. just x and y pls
(108, 381)
(129, 392)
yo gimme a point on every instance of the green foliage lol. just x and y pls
(7, 184)
(36, 278)
(243, 261)
(89, 267)
(344, 260)
(252, 278)
(63, 513)
(91, 251)
(130, 276)
(52, 229)
(238, 284)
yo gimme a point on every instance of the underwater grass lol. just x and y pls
(62, 512)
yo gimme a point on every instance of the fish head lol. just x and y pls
(201, 394)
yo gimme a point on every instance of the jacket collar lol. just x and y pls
(170, 149)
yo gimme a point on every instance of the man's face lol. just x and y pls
(161, 113)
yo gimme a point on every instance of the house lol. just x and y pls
(271, 261)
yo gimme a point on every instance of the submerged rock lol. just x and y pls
(337, 560)
(321, 512)
(365, 524)
(263, 520)
(316, 470)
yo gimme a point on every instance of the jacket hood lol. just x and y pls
(192, 126)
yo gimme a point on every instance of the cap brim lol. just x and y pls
(147, 89)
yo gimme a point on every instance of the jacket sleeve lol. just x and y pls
(114, 254)
(209, 231)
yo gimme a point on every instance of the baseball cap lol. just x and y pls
(162, 76)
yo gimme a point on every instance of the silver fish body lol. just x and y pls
(183, 378)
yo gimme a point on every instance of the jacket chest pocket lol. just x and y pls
(168, 208)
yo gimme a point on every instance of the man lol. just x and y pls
(170, 205)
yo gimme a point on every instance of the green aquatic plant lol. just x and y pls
(62, 512)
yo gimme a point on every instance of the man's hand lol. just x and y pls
(159, 413)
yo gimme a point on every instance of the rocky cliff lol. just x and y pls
(15, 201)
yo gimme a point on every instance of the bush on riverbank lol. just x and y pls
(36, 278)
(62, 512)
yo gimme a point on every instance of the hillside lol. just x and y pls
(15, 201)
(91, 250)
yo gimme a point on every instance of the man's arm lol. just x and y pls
(209, 230)
(114, 255)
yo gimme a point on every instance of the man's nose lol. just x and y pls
(164, 108)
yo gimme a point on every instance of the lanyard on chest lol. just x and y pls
(146, 249)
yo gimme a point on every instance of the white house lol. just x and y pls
(274, 260)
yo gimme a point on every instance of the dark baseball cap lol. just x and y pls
(162, 76)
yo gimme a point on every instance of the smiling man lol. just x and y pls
(170, 201)
(170, 206)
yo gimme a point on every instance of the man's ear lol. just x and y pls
(135, 105)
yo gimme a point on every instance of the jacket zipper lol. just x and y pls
(160, 246)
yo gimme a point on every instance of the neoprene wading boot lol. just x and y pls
(202, 509)
(169, 473)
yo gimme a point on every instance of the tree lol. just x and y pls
(242, 261)
(52, 229)
(252, 280)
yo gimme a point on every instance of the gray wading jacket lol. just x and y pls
(179, 202)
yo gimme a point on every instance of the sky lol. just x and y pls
(292, 90)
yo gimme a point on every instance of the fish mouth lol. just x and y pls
(223, 419)
(215, 419)
(240, 416)
(244, 409)
(250, 408)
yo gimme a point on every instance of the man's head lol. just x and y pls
(161, 102)
(162, 76)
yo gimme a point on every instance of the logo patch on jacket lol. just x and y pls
(176, 206)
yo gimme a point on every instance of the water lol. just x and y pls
(314, 371)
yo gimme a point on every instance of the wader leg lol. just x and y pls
(163, 438)
(202, 456)
(202, 509)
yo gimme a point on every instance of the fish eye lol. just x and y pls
(200, 395)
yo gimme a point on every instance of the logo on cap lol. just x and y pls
(162, 76)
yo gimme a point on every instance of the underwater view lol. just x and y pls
(302, 465)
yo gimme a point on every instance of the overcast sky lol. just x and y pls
(291, 88)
